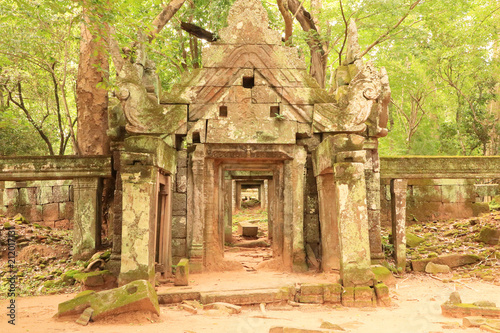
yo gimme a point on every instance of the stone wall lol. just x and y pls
(48, 203)
(429, 199)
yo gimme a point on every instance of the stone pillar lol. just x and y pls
(195, 212)
(139, 183)
(294, 177)
(214, 226)
(238, 195)
(87, 216)
(398, 213)
(228, 214)
(330, 247)
(352, 217)
(264, 194)
(372, 176)
(233, 198)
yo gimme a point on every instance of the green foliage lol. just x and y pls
(441, 62)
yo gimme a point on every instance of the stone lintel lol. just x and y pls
(410, 167)
(54, 167)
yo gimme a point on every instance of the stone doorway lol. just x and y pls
(213, 166)
(247, 216)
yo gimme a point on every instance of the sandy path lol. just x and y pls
(415, 309)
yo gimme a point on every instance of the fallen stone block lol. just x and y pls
(194, 304)
(188, 308)
(466, 310)
(98, 280)
(452, 261)
(182, 273)
(383, 275)
(489, 235)
(136, 296)
(413, 240)
(433, 268)
(455, 298)
(247, 229)
(85, 317)
(227, 307)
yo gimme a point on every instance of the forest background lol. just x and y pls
(59, 59)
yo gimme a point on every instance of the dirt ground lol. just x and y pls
(416, 308)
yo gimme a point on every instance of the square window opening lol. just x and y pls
(248, 82)
(274, 111)
(223, 111)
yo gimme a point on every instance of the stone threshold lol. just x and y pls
(306, 293)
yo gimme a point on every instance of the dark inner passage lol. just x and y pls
(248, 225)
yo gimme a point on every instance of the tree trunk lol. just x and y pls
(91, 100)
(316, 45)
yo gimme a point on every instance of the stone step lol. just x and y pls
(171, 297)
(238, 297)
(248, 297)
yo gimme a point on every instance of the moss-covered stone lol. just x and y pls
(137, 295)
(489, 235)
(383, 275)
(413, 240)
(20, 219)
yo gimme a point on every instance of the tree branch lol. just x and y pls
(287, 17)
(382, 37)
(20, 104)
(166, 14)
(199, 32)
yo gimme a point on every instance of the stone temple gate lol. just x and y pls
(252, 108)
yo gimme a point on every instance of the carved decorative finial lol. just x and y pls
(352, 51)
(248, 23)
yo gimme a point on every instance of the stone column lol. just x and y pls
(372, 176)
(398, 213)
(238, 195)
(87, 216)
(330, 247)
(264, 194)
(233, 197)
(294, 209)
(140, 200)
(214, 226)
(195, 212)
(352, 217)
(228, 214)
